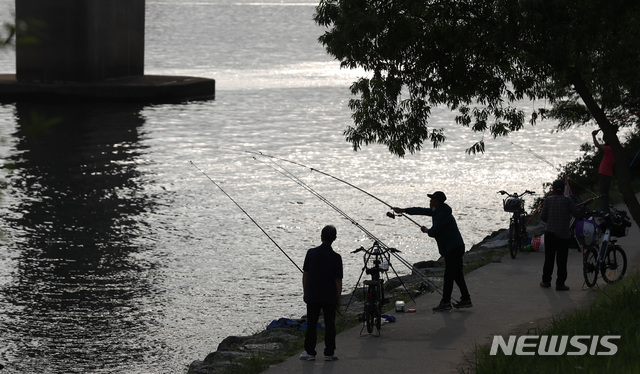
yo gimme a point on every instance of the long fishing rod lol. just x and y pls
(556, 168)
(282, 170)
(389, 214)
(247, 214)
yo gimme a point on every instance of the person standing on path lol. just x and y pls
(556, 213)
(450, 245)
(605, 172)
(322, 286)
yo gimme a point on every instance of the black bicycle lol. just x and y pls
(376, 262)
(610, 260)
(514, 204)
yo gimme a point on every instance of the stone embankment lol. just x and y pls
(276, 340)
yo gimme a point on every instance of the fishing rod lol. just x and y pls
(556, 168)
(282, 170)
(390, 214)
(247, 214)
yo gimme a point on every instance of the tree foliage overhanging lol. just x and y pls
(7, 34)
(479, 58)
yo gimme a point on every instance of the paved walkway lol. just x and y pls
(506, 299)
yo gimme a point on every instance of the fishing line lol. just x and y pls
(302, 184)
(247, 214)
(389, 214)
(282, 170)
(556, 168)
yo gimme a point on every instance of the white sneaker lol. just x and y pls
(331, 358)
(307, 357)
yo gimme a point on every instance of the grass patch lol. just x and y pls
(614, 312)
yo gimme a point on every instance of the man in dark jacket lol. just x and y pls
(556, 213)
(322, 285)
(450, 245)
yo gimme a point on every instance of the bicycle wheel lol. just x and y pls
(523, 233)
(590, 267)
(369, 309)
(614, 264)
(514, 239)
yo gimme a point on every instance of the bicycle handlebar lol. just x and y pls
(380, 250)
(527, 192)
(612, 213)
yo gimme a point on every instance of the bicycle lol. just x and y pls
(600, 253)
(514, 204)
(376, 262)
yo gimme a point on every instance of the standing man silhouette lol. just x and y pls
(556, 213)
(322, 285)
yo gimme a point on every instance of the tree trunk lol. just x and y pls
(621, 166)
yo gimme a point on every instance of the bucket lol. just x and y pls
(399, 306)
(537, 244)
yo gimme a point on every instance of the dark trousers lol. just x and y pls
(556, 249)
(310, 339)
(604, 183)
(453, 273)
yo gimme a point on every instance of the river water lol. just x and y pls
(119, 256)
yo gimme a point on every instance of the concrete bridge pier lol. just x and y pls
(88, 49)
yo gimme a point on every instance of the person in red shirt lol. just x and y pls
(605, 172)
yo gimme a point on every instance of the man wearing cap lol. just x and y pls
(450, 245)
(556, 213)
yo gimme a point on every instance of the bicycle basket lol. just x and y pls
(513, 204)
(587, 232)
(620, 226)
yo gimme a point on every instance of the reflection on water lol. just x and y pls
(74, 283)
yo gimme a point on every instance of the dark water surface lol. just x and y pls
(72, 228)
